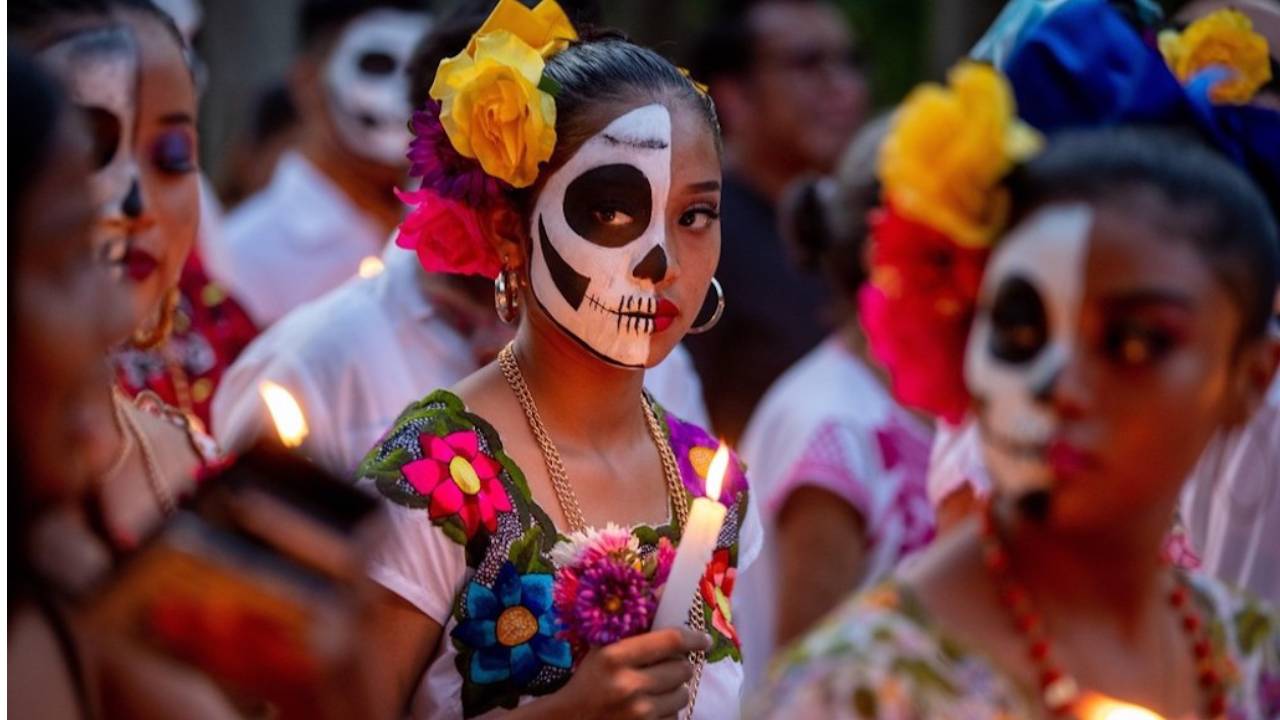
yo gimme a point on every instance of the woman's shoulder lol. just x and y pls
(442, 459)
(694, 448)
(878, 655)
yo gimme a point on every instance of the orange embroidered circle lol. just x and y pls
(516, 626)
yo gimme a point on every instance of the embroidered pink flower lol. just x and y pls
(446, 234)
(460, 480)
(716, 588)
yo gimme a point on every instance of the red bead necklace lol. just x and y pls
(1058, 689)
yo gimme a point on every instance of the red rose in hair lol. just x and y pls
(916, 311)
(446, 235)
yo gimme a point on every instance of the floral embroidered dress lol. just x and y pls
(210, 329)
(471, 549)
(880, 656)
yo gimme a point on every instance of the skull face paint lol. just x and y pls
(1023, 336)
(599, 238)
(367, 84)
(100, 70)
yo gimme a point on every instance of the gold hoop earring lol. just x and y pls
(715, 316)
(506, 296)
(147, 339)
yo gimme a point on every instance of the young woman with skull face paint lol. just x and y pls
(1121, 323)
(608, 257)
(125, 67)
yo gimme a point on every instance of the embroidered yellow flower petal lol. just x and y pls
(492, 109)
(948, 149)
(1226, 39)
(545, 28)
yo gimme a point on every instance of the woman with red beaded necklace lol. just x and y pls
(1122, 321)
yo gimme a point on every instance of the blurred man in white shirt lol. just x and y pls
(329, 204)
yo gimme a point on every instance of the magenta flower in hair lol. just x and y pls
(442, 168)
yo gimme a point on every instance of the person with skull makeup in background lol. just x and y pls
(126, 70)
(1231, 504)
(204, 329)
(437, 328)
(329, 204)
(65, 311)
(1121, 322)
(600, 231)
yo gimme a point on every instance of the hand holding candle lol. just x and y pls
(697, 543)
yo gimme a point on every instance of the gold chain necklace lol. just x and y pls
(151, 468)
(568, 499)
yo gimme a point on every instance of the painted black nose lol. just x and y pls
(132, 207)
(653, 267)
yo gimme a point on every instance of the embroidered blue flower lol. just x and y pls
(511, 628)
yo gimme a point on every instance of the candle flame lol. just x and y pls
(716, 471)
(290, 423)
(1101, 707)
(370, 267)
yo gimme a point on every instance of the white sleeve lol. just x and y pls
(418, 562)
(956, 461)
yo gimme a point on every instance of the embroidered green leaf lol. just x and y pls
(526, 553)
(924, 674)
(721, 646)
(453, 529)
(1253, 627)
(385, 467)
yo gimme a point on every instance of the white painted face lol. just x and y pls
(599, 237)
(100, 70)
(1022, 338)
(367, 84)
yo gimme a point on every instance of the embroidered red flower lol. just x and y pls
(446, 234)
(917, 309)
(716, 588)
(460, 480)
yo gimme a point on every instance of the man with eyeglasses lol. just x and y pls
(790, 91)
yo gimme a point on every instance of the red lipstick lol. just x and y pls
(139, 264)
(666, 314)
(1066, 460)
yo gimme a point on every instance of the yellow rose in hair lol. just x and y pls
(948, 150)
(545, 28)
(492, 109)
(1225, 39)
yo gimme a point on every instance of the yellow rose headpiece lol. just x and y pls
(1225, 39)
(948, 149)
(495, 105)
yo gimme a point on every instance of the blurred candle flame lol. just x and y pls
(291, 425)
(716, 472)
(370, 267)
(1101, 707)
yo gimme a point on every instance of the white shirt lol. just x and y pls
(293, 241)
(829, 422)
(357, 357)
(1231, 504)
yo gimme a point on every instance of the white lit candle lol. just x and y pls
(291, 424)
(697, 543)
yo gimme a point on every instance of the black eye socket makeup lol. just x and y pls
(599, 203)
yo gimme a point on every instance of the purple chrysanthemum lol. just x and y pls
(609, 600)
(442, 168)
